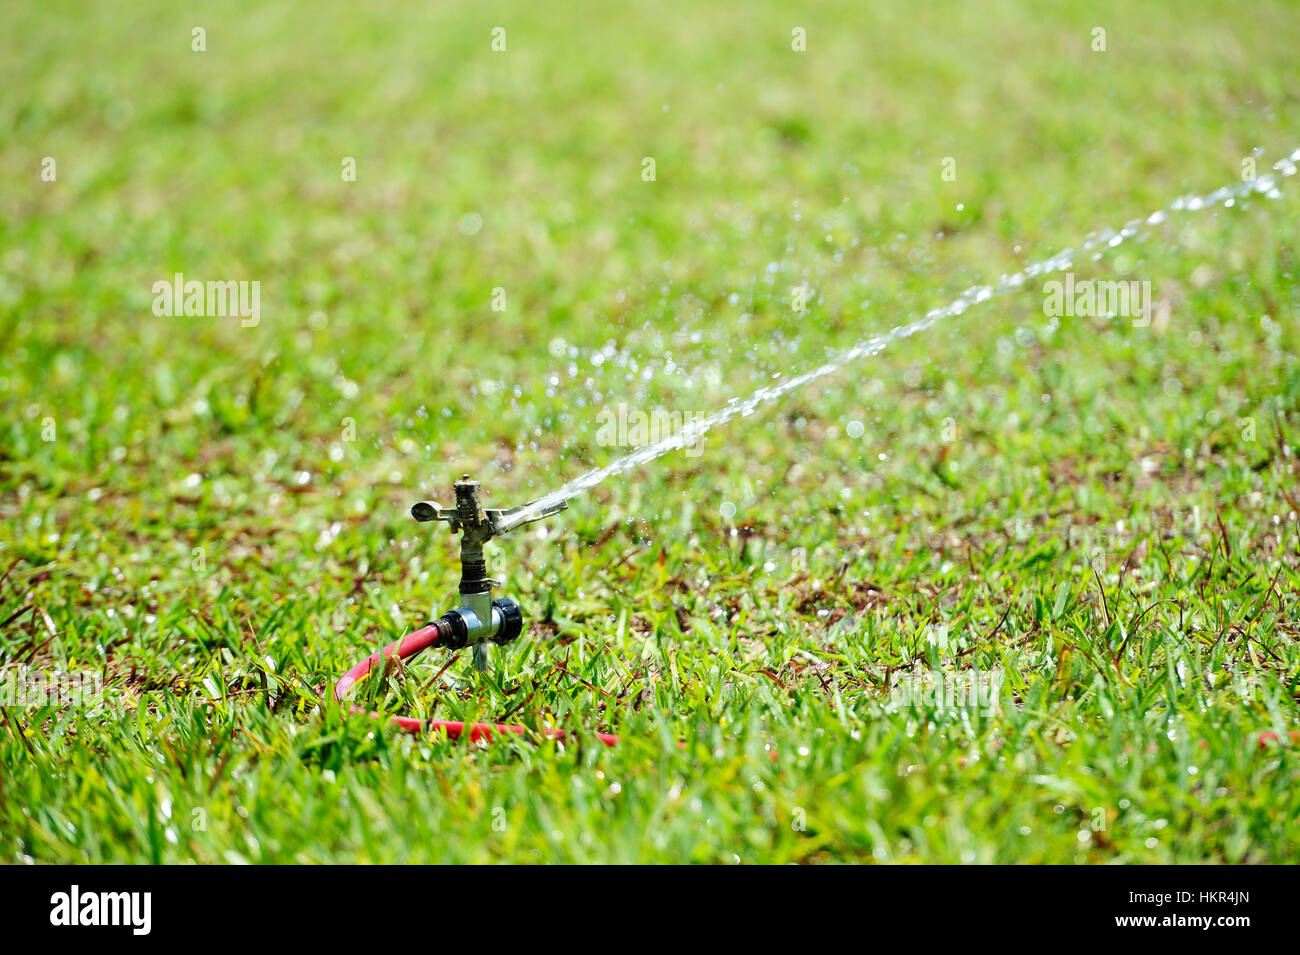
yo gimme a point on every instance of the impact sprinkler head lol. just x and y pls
(480, 618)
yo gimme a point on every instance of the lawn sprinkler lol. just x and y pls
(480, 618)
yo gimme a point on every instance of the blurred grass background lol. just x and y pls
(220, 524)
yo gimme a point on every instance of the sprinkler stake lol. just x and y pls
(480, 618)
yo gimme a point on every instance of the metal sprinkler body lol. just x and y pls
(480, 618)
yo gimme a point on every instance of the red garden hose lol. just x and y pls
(437, 632)
(409, 646)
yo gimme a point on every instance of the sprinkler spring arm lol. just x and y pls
(480, 618)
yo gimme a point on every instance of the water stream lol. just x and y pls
(1099, 242)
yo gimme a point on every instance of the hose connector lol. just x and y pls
(503, 622)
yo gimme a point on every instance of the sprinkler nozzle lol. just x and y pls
(480, 618)
(468, 515)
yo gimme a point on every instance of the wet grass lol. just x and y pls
(1095, 517)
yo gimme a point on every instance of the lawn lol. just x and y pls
(1020, 588)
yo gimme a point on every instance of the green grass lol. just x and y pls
(1102, 516)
